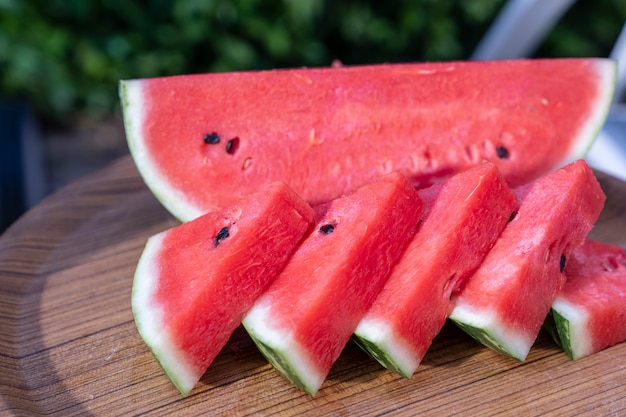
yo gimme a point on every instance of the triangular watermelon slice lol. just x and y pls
(504, 304)
(463, 218)
(194, 282)
(589, 314)
(308, 314)
(202, 141)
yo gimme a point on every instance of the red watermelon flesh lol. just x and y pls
(504, 304)
(201, 141)
(464, 217)
(589, 314)
(303, 321)
(195, 282)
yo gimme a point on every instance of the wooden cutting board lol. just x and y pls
(69, 346)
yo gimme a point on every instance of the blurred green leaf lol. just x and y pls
(67, 56)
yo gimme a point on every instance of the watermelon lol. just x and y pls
(194, 282)
(201, 141)
(505, 302)
(589, 313)
(464, 217)
(308, 314)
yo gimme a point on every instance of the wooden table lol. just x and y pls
(69, 346)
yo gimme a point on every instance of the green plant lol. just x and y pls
(65, 56)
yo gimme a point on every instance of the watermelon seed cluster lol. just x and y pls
(213, 138)
(232, 145)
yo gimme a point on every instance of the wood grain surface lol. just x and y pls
(69, 346)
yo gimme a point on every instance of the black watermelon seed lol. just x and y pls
(211, 138)
(327, 229)
(512, 216)
(232, 145)
(502, 152)
(221, 235)
(562, 263)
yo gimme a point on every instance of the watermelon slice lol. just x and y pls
(308, 314)
(589, 314)
(504, 304)
(202, 141)
(464, 217)
(194, 283)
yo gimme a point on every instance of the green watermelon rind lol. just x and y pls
(379, 353)
(280, 362)
(280, 349)
(487, 338)
(149, 323)
(174, 200)
(549, 325)
(390, 350)
(560, 332)
(567, 324)
(486, 328)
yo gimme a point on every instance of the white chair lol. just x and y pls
(517, 31)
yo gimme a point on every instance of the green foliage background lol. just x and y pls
(66, 56)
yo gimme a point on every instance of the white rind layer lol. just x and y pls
(258, 324)
(607, 73)
(394, 347)
(134, 110)
(578, 335)
(516, 344)
(177, 203)
(149, 319)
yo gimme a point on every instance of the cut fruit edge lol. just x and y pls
(569, 329)
(607, 73)
(381, 342)
(148, 319)
(487, 329)
(174, 200)
(180, 206)
(282, 351)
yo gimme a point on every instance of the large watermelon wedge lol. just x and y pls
(589, 314)
(194, 282)
(505, 302)
(202, 141)
(308, 314)
(463, 218)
